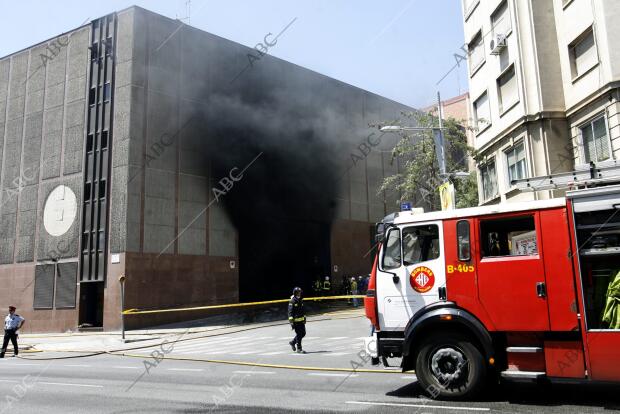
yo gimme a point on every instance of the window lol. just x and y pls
(482, 112)
(596, 145)
(515, 236)
(469, 6)
(420, 244)
(583, 56)
(106, 91)
(507, 89)
(463, 246)
(489, 180)
(500, 20)
(391, 254)
(515, 158)
(475, 50)
(504, 59)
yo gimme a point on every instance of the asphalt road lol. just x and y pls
(121, 384)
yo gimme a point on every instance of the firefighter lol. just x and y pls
(354, 290)
(317, 287)
(327, 286)
(12, 323)
(297, 319)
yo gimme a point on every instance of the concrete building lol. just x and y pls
(204, 171)
(544, 88)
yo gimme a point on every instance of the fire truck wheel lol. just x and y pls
(450, 367)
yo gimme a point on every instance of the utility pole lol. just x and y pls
(442, 146)
(121, 280)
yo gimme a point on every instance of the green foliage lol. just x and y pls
(419, 174)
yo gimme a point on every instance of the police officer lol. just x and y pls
(297, 319)
(12, 323)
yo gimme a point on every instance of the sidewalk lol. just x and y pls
(100, 342)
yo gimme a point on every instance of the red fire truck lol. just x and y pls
(527, 290)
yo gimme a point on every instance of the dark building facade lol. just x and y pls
(204, 171)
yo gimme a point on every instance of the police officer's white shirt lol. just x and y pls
(12, 321)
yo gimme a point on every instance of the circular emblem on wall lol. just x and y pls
(59, 211)
(422, 279)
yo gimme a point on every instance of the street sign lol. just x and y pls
(447, 196)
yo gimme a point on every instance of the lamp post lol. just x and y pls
(121, 280)
(438, 136)
(440, 146)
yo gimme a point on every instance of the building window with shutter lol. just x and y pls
(515, 160)
(482, 112)
(582, 52)
(475, 49)
(507, 91)
(595, 141)
(489, 180)
(500, 20)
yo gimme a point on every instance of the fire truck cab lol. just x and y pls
(524, 291)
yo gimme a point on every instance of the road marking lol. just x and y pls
(338, 337)
(445, 407)
(409, 377)
(124, 367)
(19, 364)
(71, 385)
(338, 353)
(244, 353)
(186, 369)
(76, 366)
(3, 380)
(273, 353)
(322, 374)
(255, 372)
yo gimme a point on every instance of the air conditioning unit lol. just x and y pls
(498, 44)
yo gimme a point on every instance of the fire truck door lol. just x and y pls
(597, 220)
(412, 280)
(511, 273)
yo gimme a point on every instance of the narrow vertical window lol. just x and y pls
(463, 240)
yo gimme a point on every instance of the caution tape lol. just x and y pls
(236, 305)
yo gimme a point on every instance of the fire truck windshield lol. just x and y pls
(420, 243)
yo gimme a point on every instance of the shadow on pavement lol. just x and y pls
(604, 396)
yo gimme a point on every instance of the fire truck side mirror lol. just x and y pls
(379, 232)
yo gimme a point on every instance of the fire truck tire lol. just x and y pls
(450, 367)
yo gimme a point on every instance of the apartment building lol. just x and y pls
(543, 81)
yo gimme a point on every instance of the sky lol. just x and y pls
(399, 49)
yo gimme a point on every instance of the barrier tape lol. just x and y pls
(236, 305)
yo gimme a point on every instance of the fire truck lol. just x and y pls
(522, 291)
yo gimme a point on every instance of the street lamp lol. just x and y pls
(437, 135)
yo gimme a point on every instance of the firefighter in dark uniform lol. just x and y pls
(317, 287)
(297, 319)
(327, 286)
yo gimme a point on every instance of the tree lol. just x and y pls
(419, 176)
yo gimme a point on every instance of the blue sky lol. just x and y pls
(398, 49)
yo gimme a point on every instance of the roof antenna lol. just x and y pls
(188, 12)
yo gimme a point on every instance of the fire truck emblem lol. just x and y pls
(422, 279)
